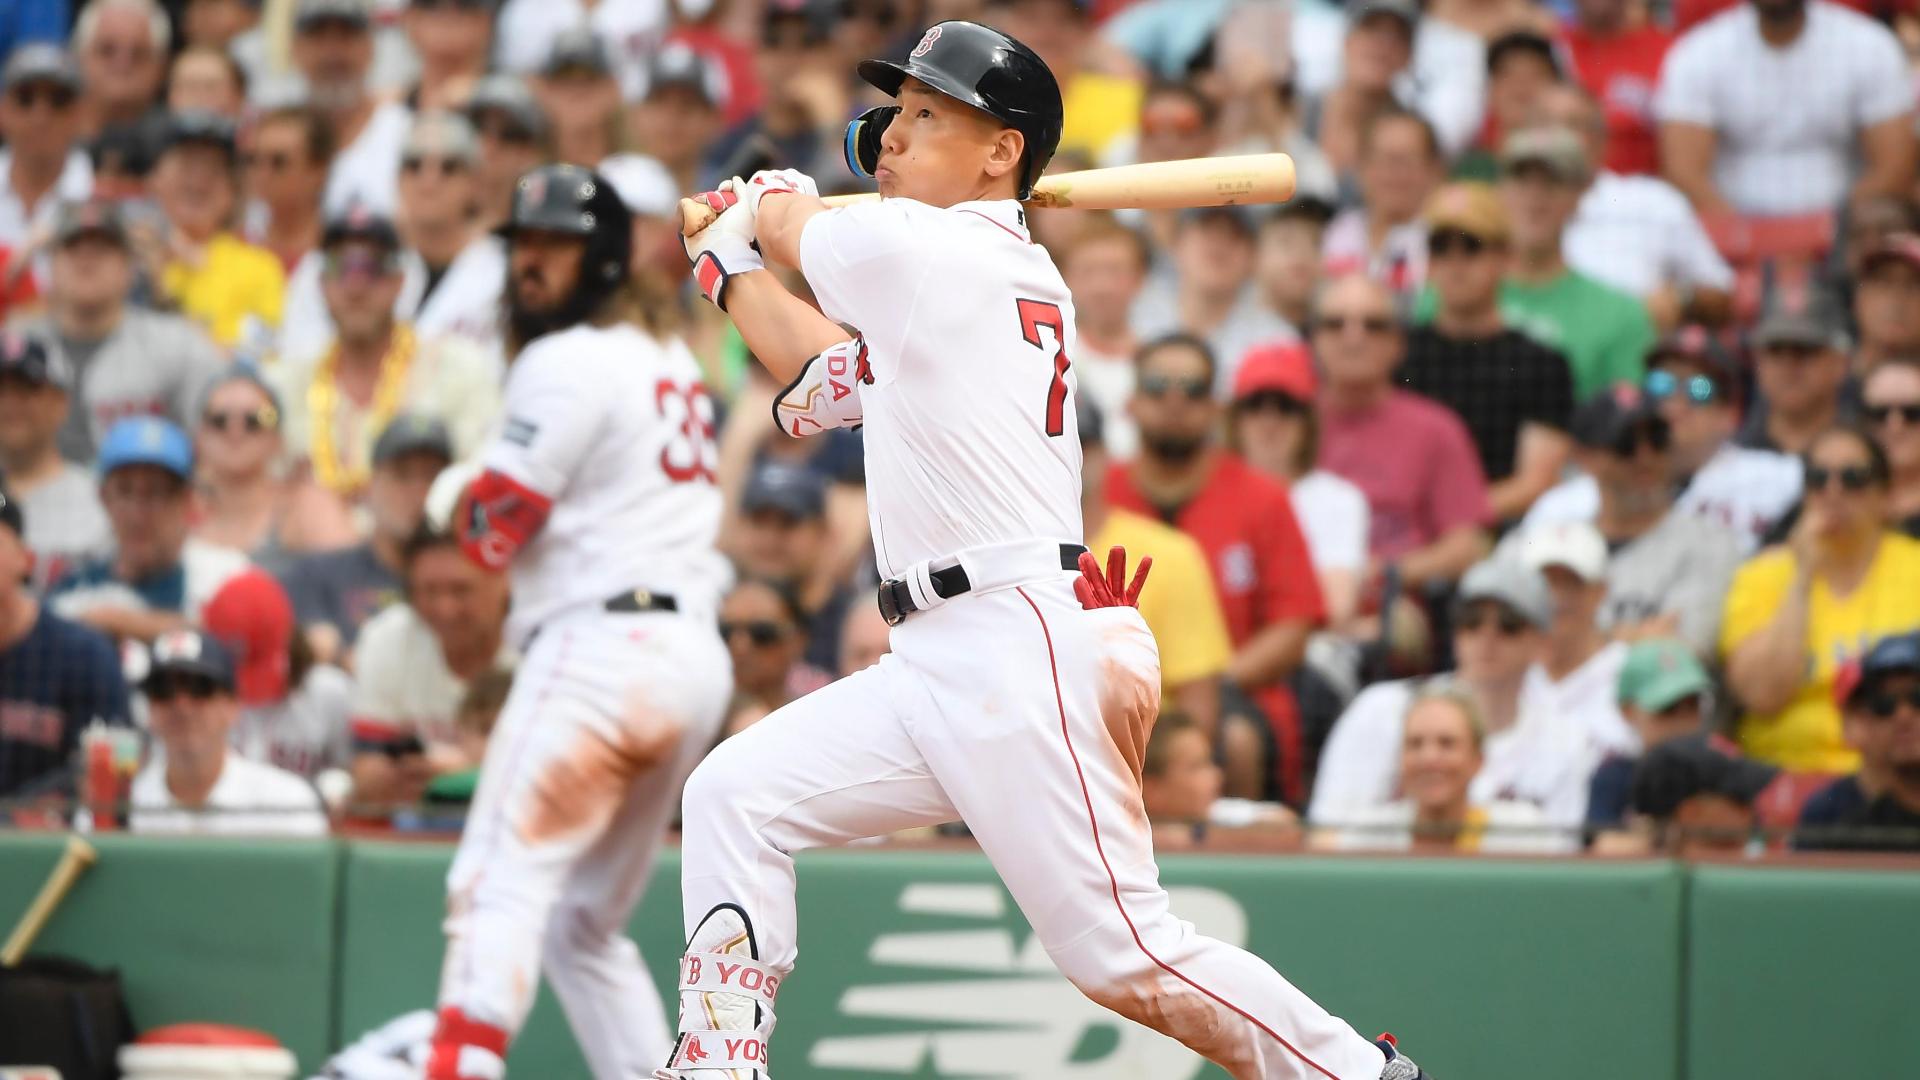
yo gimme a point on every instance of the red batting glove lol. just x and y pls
(1110, 589)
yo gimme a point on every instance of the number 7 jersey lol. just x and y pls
(617, 430)
(968, 335)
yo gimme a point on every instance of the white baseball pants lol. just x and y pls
(1026, 716)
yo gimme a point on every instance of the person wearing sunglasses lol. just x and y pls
(1514, 394)
(41, 165)
(333, 50)
(59, 497)
(246, 501)
(1886, 302)
(462, 269)
(194, 782)
(765, 629)
(1800, 368)
(1796, 611)
(289, 150)
(1877, 808)
(1891, 407)
(232, 288)
(454, 41)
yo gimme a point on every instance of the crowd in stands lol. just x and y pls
(1543, 477)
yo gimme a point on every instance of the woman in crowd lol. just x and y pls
(293, 711)
(1891, 395)
(766, 632)
(246, 501)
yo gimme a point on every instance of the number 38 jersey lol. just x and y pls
(617, 430)
(968, 333)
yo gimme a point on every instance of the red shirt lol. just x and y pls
(1413, 459)
(1622, 71)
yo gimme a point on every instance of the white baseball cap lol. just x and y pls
(1575, 545)
(643, 184)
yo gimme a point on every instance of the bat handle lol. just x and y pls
(73, 861)
(694, 216)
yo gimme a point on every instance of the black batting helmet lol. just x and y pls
(576, 201)
(985, 69)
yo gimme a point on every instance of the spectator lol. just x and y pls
(1800, 369)
(1177, 122)
(57, 497)
(462, 269)
(195, 782)
(1514, 394)
(1100, 106)
(247, 502)
(1733, 144)
(1580, 664)
(782, 536)
(1182, 609)
(335, 592)
(648, 190)
(1697, 796)
(122, 46)
(1442, 749)
(122, 162)
(679, 115)
(454, 41)
(56, 677)
(230, 287)
(1399, 167)
(473, 724)
(333, 49)
(126, 360)
(416, 661)
(1877, 808)
(40, 166)
(1105, 267)
(341, 397)
(1892, 406)
(289, 152)
(1244, 522)
(577, 89)
(1886, 303)
(1275, 427)
(1426, 64)
(1664, 694)
(805, 102)
(1616, 59)
(1212, 295)
(293, 712)
(1796, 612)
(1669, 568)
(1603, 333)
(513, 134)
(43, 21)
(1521, 67)
(1256, 82)
(216, 23)
(766, 632)
(1871, 222)
(528, 29)
(1428, 499)
(1180, 788)
(864, 638)
(205, 79)
(156, 577)
(1637, 233)
(1286, 264)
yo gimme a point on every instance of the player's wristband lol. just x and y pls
(716, 264)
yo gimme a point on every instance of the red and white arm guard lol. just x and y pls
(496, 517)
(826, 393)
(724, 248)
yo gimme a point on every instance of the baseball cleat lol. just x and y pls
(1399, 1066)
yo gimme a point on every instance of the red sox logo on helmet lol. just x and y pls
(926, 43)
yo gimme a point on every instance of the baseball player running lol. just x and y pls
(597, 495)
(1006, 702)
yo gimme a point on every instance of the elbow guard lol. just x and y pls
(826, 393)
(497, 517)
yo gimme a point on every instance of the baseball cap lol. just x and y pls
(509, 96)
(1407, 11)
(1900, 247)
(199, 127)
(1517, 586)
(93, 217)
(252, 617)
(1608, 419)
(1235, 216)
(1679, 769)
(1695, 344)
(442, 134)
(40, 62)
(1283, 368)
(1559, 149)
(1659, 673)
(1809, 319)
(1304, 207)
(1899, 654)
(311, 13)
(1576, 545)
(790, 489)
(578, 49)
(146, 440)
(11, 515)
(1470, 207)
(411, 433)
(189, 652)
(678, 64)
(358, 222)
(28, 359)
(644, 184)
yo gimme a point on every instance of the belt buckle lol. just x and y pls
(891, 608)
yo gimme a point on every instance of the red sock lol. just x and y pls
(457, 1031)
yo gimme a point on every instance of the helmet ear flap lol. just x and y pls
(862, 146)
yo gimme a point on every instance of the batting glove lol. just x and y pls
(724, 248)
(770, 182)
(1110, 589)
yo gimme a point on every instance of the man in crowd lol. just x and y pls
(1428, 499)
(1665, 693)
(679, 114)
(1616, 60)
(1886, 303)
(1211, 293)
(579, 92)
(782, 536)
(1877, 808)
(40, 166)
(1383, 237)
(1286, 264)
(333, 49)
(461, 269)
(122, 46)
(1800, 368)
(1514, 394)
(1244, 521)
(196, 782)
(1724, 140)
(125, 360)
(454, 42)
(289, 151)
(56, 677)
(1105, 266)
(232, 288)
(1579, 668)
(513, 133)
(156, 577)
(58, 497)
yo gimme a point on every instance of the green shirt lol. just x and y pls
(1604, 333)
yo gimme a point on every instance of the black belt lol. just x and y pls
(639, 600)
(896, 600)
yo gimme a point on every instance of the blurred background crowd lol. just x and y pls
(1544, 477)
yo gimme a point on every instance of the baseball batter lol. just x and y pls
(1007, 701)
(598, 497)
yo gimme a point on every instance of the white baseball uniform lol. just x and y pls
(1009, 706)
(609, 711)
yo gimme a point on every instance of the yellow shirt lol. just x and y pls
(1178, 602)
(1805, 736)
(1098, 109)
(232, 281)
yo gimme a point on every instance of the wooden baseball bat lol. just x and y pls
(73, 862)
(1153, 185)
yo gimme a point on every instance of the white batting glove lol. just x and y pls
(767, 182)
(724, 248)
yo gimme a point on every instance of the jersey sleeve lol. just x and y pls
(553, 412)
(864, 264)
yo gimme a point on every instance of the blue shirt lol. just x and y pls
(162, 591)
(53, 683)
(1840, 817)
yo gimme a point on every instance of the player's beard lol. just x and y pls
(1173, 449)
(526, 323)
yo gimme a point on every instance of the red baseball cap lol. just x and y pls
(252, 616)
(1285, 368)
